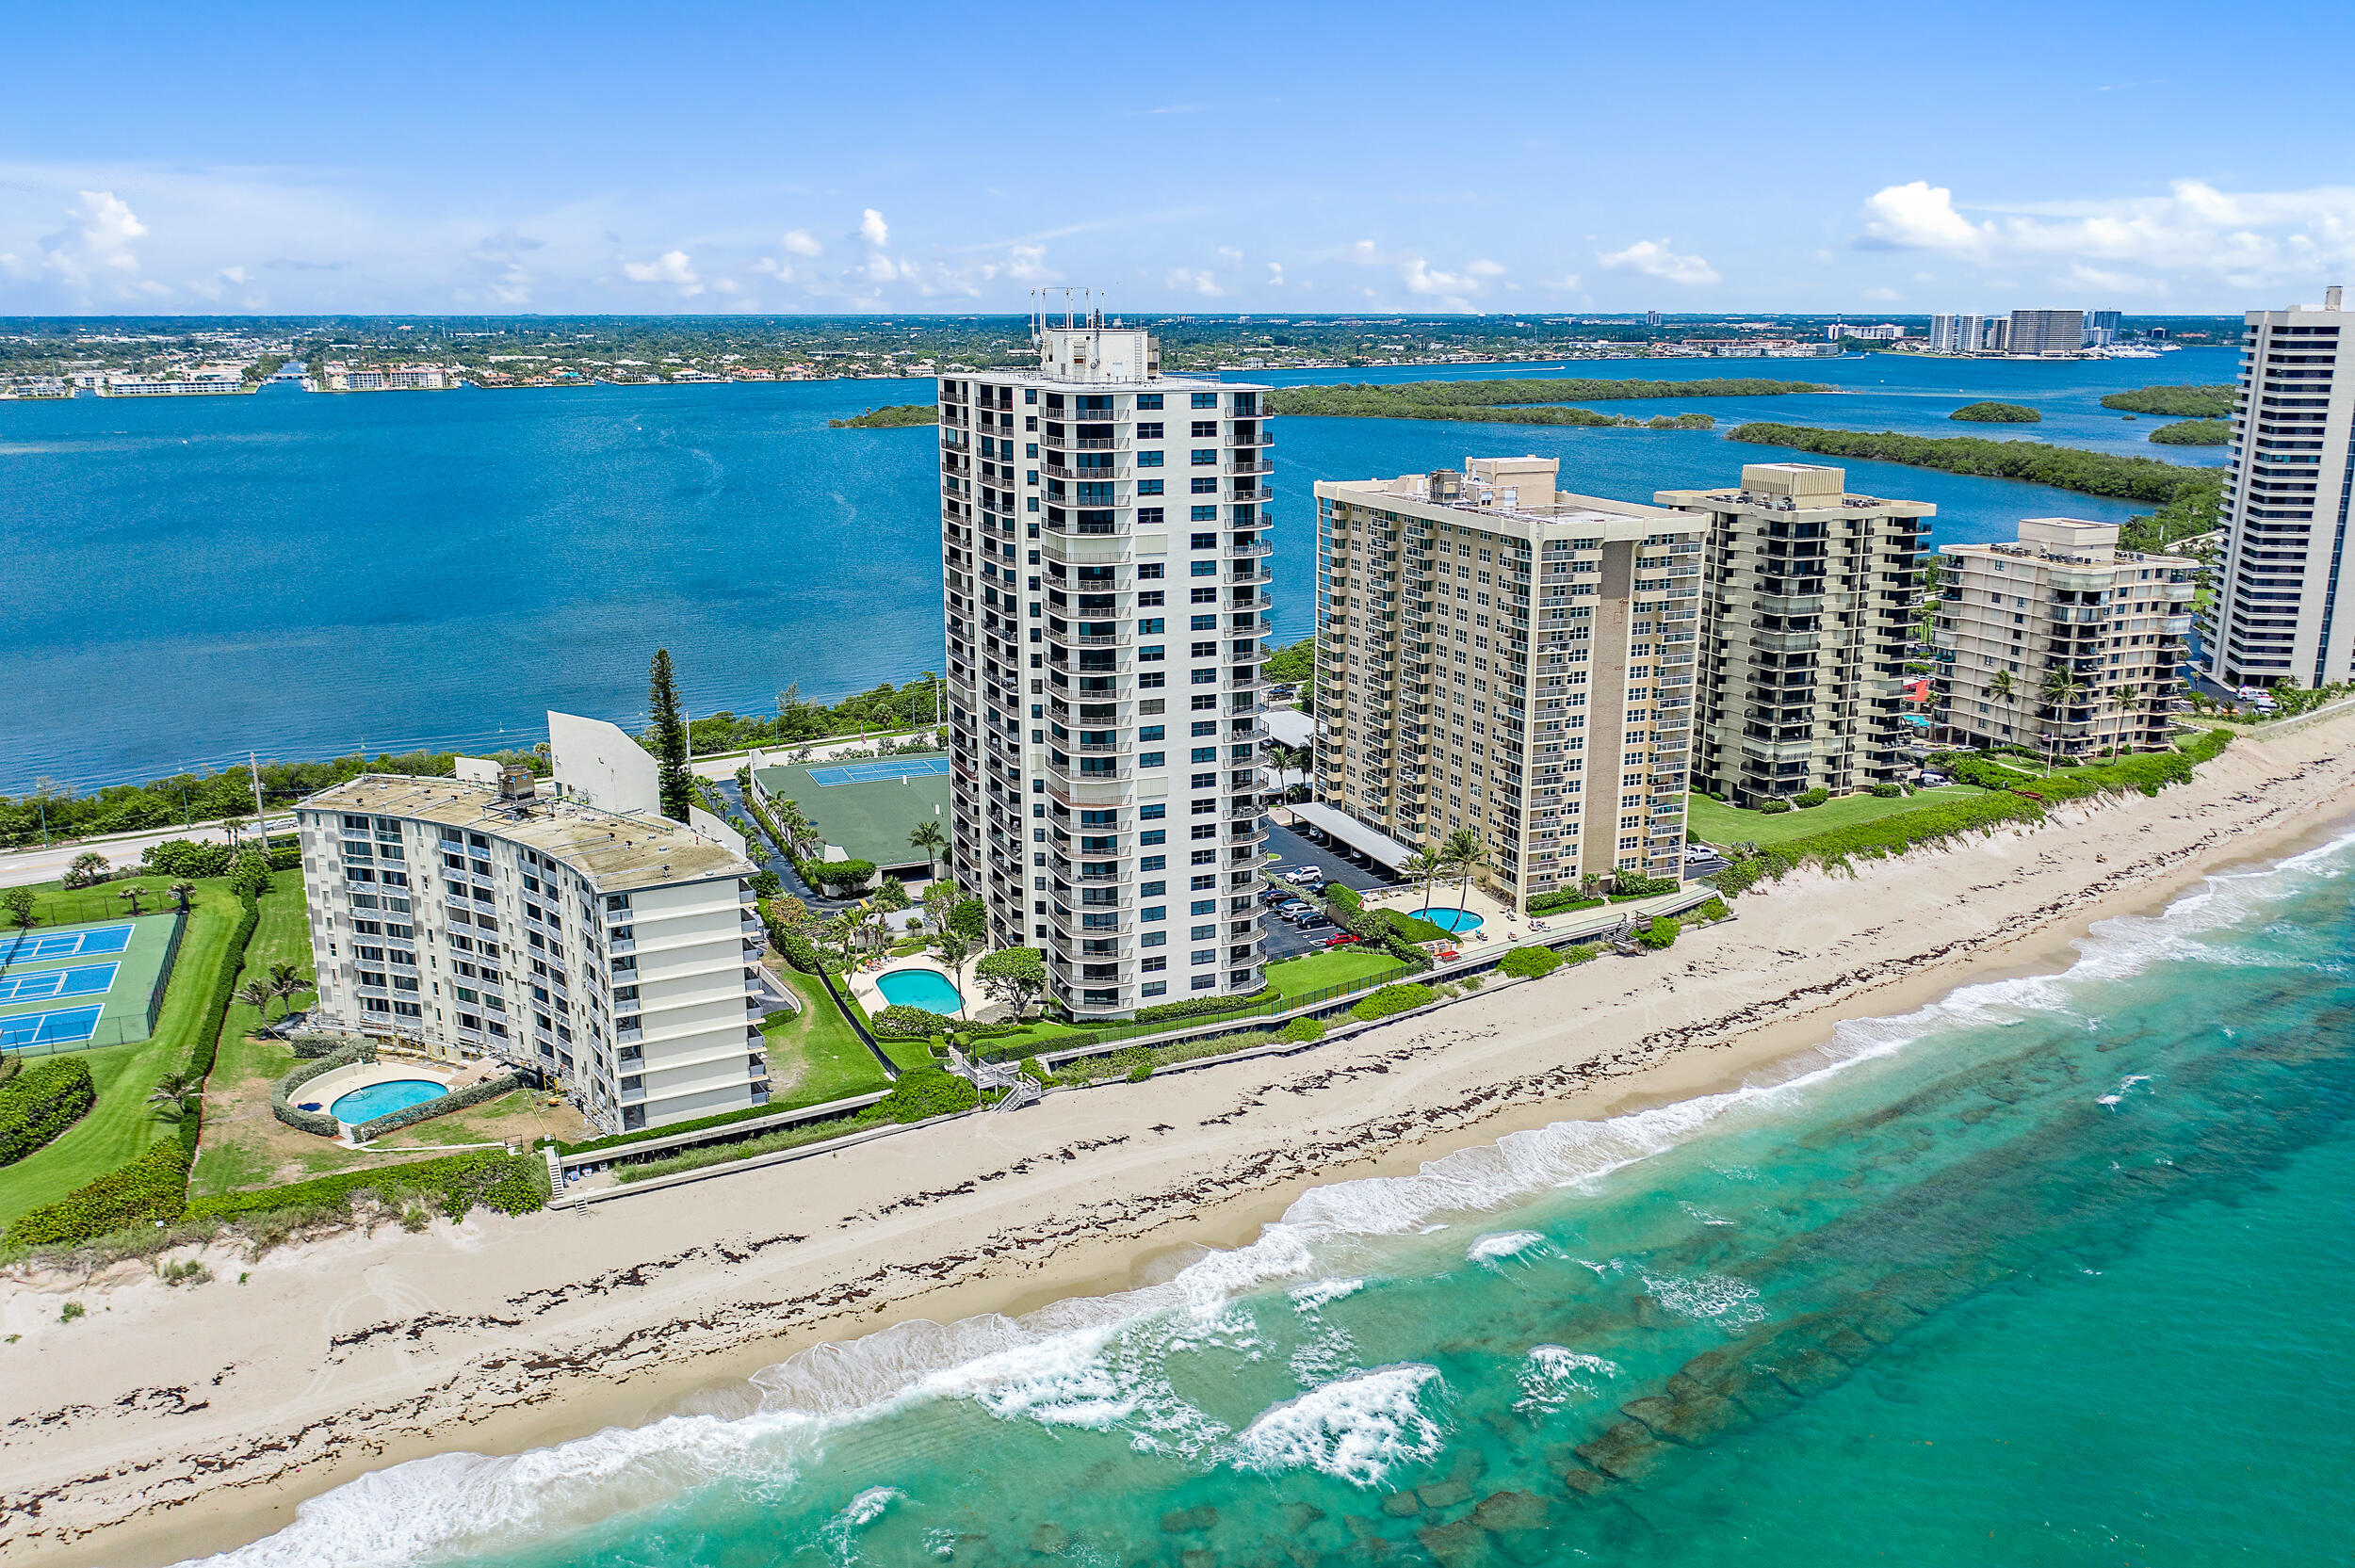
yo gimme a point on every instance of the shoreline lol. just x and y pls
(496, 1338)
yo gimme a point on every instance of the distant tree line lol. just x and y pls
(2183, 402)
(1997, 413)
(892, 418)
(2062, 468)
(1442, 399)
(2194, 432)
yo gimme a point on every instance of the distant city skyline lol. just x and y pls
(504, 159)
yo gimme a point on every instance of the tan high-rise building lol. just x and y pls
(1811, 593)
(2014, 619)
(1499, 656)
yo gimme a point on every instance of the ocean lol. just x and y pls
(299, 576)
(2054, 1270)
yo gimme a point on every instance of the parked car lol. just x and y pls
(1290, 907)
(1346, 939)
(1304, 874)
(1314, 929)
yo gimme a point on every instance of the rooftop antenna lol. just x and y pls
(1067, 307)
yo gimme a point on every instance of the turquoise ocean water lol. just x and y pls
(2054, 1270)
(189, 578)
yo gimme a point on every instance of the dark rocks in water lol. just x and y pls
(1805, 1369)
(1848, 1344)
(1461, 1545)
(1179, 1520)
(1695, 1417)
(1446, 1493)
(1627, 1451)
(1500, 1512)
(1299, 1517)
(1582, 1482)
(1049, 1539)
(1879, 1318)
(1469, 1467)
(1649, 1314)
(1198, 1557)
(1399, 1505)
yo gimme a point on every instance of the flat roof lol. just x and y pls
(1373, 841)
(868, 821)
(618, 851)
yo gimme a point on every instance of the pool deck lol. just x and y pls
(870, 996)
(325, 1089)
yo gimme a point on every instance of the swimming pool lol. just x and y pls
(383, 1099)
(1456, 920)
(927, 989)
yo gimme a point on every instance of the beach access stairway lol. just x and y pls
(1021, 1089)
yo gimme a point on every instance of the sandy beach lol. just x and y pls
(168, 1423)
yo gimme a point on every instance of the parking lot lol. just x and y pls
(1284, 939)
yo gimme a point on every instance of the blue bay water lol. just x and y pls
(2054, 1270)
(191, 578)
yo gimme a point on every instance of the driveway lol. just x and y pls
(1295, 849)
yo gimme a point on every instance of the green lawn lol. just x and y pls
(814, 1056)
(122, 1124)
(1719, 823)
(1338, 966)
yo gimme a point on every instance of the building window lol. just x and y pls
(1205, 457)
(1148, 399)
(1149, 487)
(1206, 399)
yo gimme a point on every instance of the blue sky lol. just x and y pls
(489, 157)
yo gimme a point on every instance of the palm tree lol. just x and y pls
(171, 1095)
(2060, 689)
(132, 896)
(258, 995)
(184, 891)
(2003, 688)
(286, 983)
(1463, 851)
(2124, 697)
(934, 843)
(1426, 865)
(794, 823)
(954, 947)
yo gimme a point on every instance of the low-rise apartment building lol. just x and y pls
(613, 952)
(2061, 642)
(1496, 655)
(1810, 593)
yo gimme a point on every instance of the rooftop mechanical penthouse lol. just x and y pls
(1104, 534)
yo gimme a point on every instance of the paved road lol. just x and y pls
(38, 864)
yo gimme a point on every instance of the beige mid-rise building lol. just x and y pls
(2014, 620)
(1497, 656)
(1811, 596)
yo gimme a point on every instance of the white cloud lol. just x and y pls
(1883, 295)
(1654, 258)
(1232, 256)
(1027, 264)
(803, 243)
(1195, 281)
(1454, 290)
(873, 230)
(1275, 274)
(96, 243)
(1566, 283)
(672, 267)
(2248, 239)
(1485, 269)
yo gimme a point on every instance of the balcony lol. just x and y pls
(1249, 552)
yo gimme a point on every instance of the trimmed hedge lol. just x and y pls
(1563, 898)
(152, 1186)
(42, 1102)
(622, 1140)
(282, 1093)
(1308, 1031)
(510, 1184)
(1583, 953)
(473, 1094)
(1771, 807)
(1887, 791)
(1197, 1007)
(1347, 897)
(901, 1021)
(1404, 997)
(1630, 884)
(186, 857)
(1528, 963)
(1414, 927)
(310, 1047)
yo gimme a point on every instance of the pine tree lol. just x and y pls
(669, 740)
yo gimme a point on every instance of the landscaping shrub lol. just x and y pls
(1660, 933)
(286, 857)
(1630, 884)
(1195, 1007)
(249, 874)
(1583, 953)
(794, 948)
(152, 1186)
(1303, 1030)
(473, 1094)
(186, 857)
(1528, 963)
(1771, 808)
(842, 877)
(309, 1047)
(902, 1022)
(1033, 1069)
(42, 1102)
(1404, 997)
(1346, 897)
(1413, 927)
(1563, 898)
(1713, 909)
(1813, 798)
(510, 1184)
(924, 1091)
(282, 1093)
(1141, 1072)
(1888, 791)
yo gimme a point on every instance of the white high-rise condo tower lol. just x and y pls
(1104, 561)
(2283, 611)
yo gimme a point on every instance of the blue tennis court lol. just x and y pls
(90, 980)
(32, 946)
(884, 771)
(66, 1027)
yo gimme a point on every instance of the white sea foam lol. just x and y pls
(862, 1511)
(1503, 1246)
(1718, 1298)
(1092, 1362)
(1313, 1298)
(2125, 1088)
(1356, 1429)
(1555, 1376)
